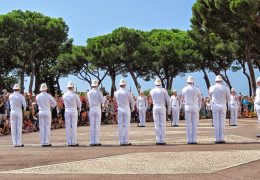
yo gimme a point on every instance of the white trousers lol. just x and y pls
(191, 118)
(219, 120)
(142, 116)
(175, 116)
(124, 125)
(258, 115)
(233, 115)
(71, 119)
(16, 127)
(45, 127)
(159, 116)
(94, 120)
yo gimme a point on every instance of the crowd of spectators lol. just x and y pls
(109, 112)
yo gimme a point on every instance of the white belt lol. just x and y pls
(159, 104)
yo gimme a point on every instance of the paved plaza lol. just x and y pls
(239, 158)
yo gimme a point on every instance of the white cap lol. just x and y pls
(174, 91)
(43, 87)
(233, 90)
(16, 86)
(70, 85)
(190, 79)
(122, 82)
(157, 82)
(94, 83)
(258, 79)
(218, 78)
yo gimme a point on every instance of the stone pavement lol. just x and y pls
(239, 158)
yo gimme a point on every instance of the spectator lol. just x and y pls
(7, 105)
(4, 128)
(2, 109)
(208, 109)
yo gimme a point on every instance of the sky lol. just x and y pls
(89, 18)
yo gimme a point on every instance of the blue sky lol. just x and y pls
(87, 18)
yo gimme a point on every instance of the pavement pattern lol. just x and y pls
(239, 158)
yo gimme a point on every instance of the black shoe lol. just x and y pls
(141, 126)
(217, 142)
(222, 142)
(258, 136)
(127, 144)
(75, 144)
(190, 143)
(46, 145)
(99, 144)
(22, 145)
(175, 125)
(161, 144)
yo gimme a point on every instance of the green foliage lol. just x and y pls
(172, 54)
(236, 26)
(147, 92)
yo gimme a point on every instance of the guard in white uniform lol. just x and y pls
(72, 108)
(96, 100)
(141, 104)
(124, 100)
(257, 101)
(18, 104)
(233, 107)
(160, 99)
(220, 95)
(45, 102)
(175, 105)
(192, 102)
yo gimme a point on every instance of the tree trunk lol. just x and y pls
(58, 85)
(38, 81)
(22, 78)
(170, 83)
(32, 74)
(113, 79)
(163, 83)
(206, 78)
(250, 69)
(224, 77)
(247, 76)
(227, 80)
(137, 86)
(51, 86)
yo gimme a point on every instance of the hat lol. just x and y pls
(70, 85)
(94, 83)
(16, 86)
(158, 82)
(122, 82)
(258, 79)
(232, 89)
(218, 78)
(190, 79)
(43, 87)
(174, 91)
